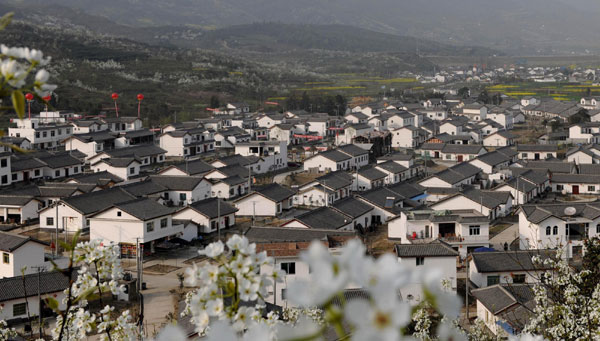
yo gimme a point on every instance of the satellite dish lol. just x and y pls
(570, 211)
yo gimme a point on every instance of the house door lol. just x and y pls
(575, 189)
(226, 222)
(536, 156)
(25, 176)
(460, 158)
(66, 171)
(437, 155)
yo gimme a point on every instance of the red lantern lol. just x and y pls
(29, 96)
(140, 97)
(47, 98)
(114, 96)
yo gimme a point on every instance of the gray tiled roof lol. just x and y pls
(407, 190)
(12, 288)
(537, 148)
(194, 167)
(144, 188)
(391, 166)
(96, 201)
(591, 169)
(119, 162)
(15, 200)
(95, 178)
(177, 182)
(499, 297)
(144, 208)
(552, 166)
(10, 242)
(275, 192)
(61, 159)
(462, 148)
(25, 163)
(235, 159)
(335, 155)
(352, 149)
(208, 207)
(507, 261)
(335, 180)
(538, 213)
(493, 158)
(433, 249)
(576, 178)
(283, 234)
(352, 207)
(140, 151)
(378, 197)
(232, 170)
(371, 173)
(324, 218)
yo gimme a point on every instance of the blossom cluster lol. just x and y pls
(231, 287)
(234, 277)
(16, 63)
(99, 270)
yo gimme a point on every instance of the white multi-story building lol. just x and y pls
(463, 229)
(42, 135)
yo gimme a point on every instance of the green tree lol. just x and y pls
(214, 102)
(305, 101)
(464, 92)
(483, 97)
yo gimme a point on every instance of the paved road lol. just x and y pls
(280, 178)
(507, 236)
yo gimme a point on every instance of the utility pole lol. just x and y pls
(219, 217)
(39, 269)
(253, 212)
(56, 222)
(467, 288)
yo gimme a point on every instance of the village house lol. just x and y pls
(564, 225)
(285, 245)
(537, 151)
(207, 216)
(433, 257)
(269, 200)
(124, 168)
(140, 221)
(462, 229)
(505, 309)
(500, 138)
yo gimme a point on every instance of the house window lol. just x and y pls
(50, 221)
(14, 177)
(547, 230)
(524, 155)
(37, 172)
(555, 230)
(52, 133)
(289, 268)
(4, 179)
(591, 188)
(182, 196)
(491, 280)
(19, 309)
(420, 261)
(474, 230)
(519, 278)
(44, 134)
(118, 213)
(598, 228)
(5, 258)
(4, 163)
(57, 172)
(150, 226)
(37, 134)
(559, 187)
(132, 170)
(163, 222)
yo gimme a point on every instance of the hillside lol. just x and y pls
(532, 26)
(89, 67)
(274, 37)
